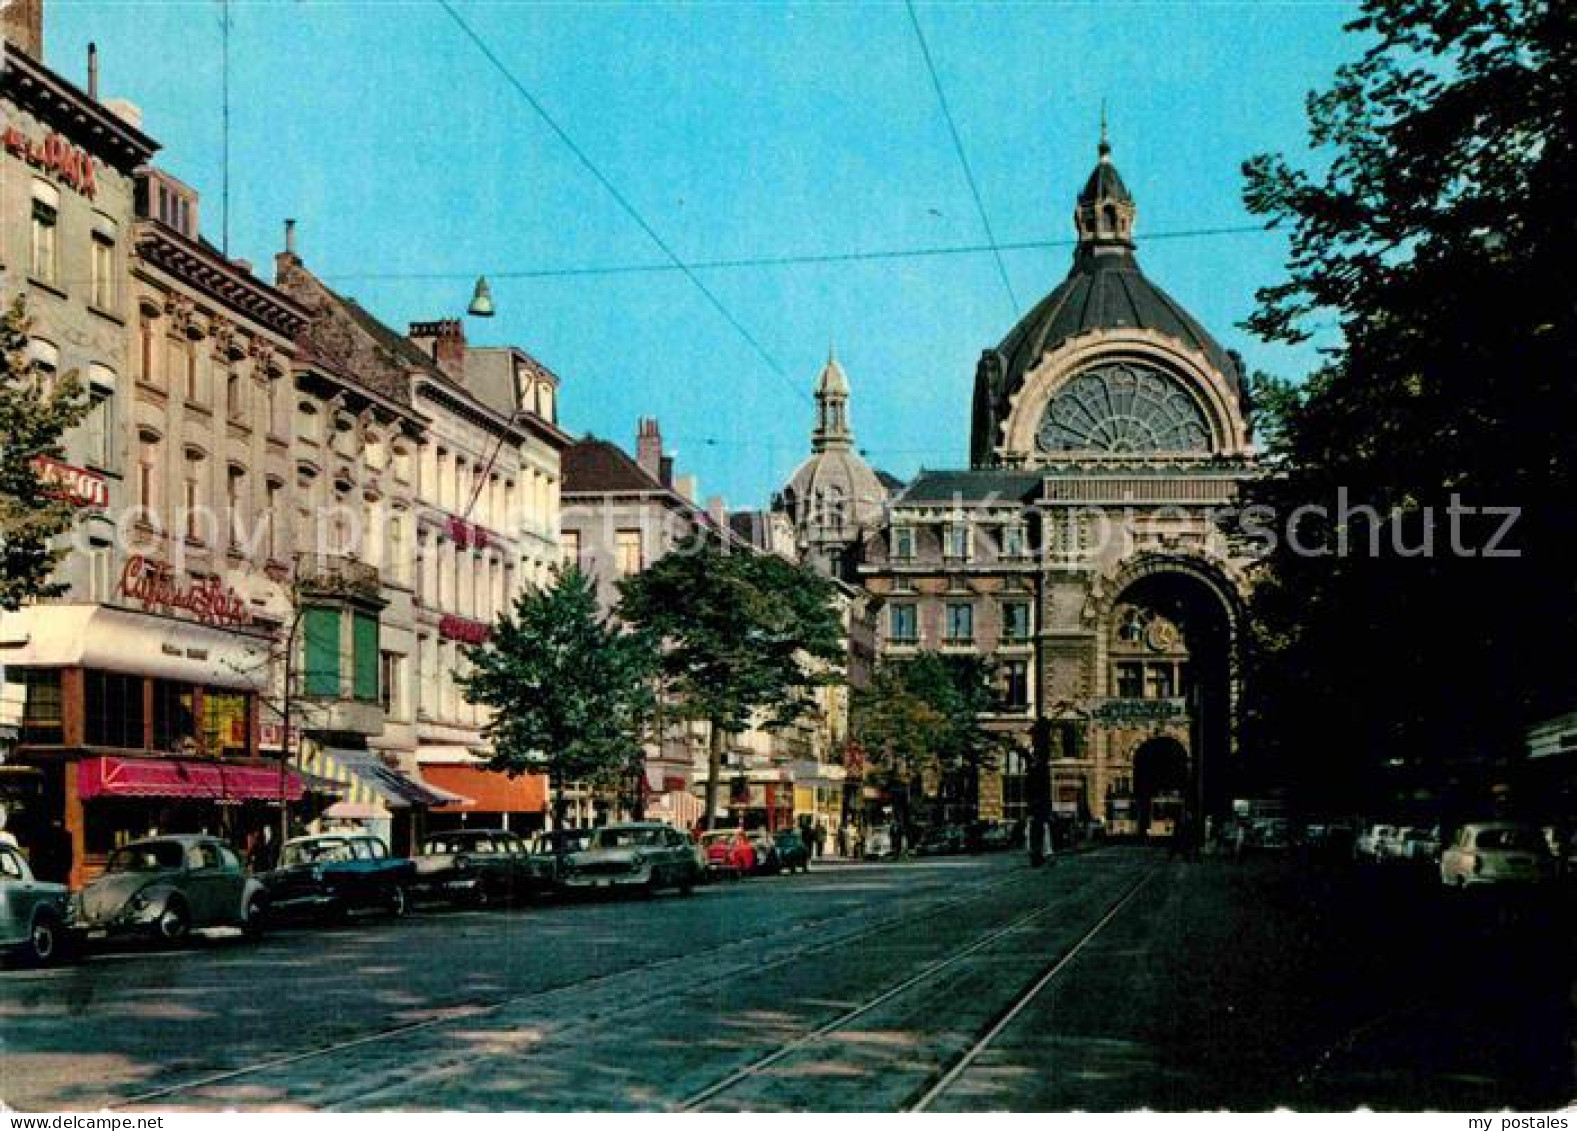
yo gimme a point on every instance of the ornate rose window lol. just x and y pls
(1122, 407)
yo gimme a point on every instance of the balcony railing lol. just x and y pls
(338, 575)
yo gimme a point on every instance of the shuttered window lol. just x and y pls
(322, 652)
(364, 646)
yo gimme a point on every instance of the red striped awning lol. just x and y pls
(169, 777)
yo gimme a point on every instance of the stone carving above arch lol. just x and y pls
(1217, 575)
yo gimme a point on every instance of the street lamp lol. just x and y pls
(481, 300)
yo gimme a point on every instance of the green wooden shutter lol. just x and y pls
(364, 646)
(322, 652)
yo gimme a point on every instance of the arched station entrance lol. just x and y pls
(1169, 648)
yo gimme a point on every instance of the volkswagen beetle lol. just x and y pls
(167, 886)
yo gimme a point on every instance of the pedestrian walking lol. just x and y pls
(821, 838)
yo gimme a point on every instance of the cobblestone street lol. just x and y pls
(1113, 980)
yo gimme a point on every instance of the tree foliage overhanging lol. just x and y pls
(35, 413)
(1439, 239)
(921, 718)
(746, 637)
(570, 691)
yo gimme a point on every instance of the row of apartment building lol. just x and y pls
(270, 482)
(292, 520)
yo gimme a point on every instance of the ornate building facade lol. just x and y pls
(1087, 552)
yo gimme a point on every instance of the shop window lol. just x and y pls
(1130, 681)
(112, 706)
(321, 632)
(225, 724)
(43, 707)
(364, 657)
(174, 716)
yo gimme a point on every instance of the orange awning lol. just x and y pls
(490, 792)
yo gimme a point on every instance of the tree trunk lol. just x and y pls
(714, 769)
(559, 802)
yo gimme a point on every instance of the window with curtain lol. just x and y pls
(225, 723)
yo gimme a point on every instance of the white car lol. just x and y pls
(1496, 852)
(1370, 844)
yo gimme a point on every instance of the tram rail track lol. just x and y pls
(465, 1011)
(946, 1075)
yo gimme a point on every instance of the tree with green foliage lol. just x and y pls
(36, 410)
(569, 689)
(746, 637)
(1436, 240)
(902, 734)
(959, 688)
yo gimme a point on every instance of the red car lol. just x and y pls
(728, 852)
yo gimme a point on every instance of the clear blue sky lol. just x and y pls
(738, 131)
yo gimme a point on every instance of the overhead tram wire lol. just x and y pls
(804, 260)
(963, 159)
(623, 202)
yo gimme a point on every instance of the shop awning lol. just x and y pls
(489, 791)
(169, 777)
(368, 780)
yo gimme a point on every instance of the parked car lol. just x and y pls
(332, 874)
(165, 887)
(768, 862)
(1371, 843)
(997, 837)
(475, 866)
(547, 853)
(728, 853)
(1496, 852)
(1419, 846)
(878, 842)
(646, 855)
(792, 850)
(948, 840)
(32, 912)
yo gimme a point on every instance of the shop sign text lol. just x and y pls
(153, 585)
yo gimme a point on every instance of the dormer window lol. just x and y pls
(163, 198)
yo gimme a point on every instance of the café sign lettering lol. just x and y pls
(154, 586)
(70, 164)
(76, 485)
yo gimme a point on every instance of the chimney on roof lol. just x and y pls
(22, 23)
(93, 71)
(717, 511)
(649, 447)
(685, 486)
(667, 476)
(444, 341)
